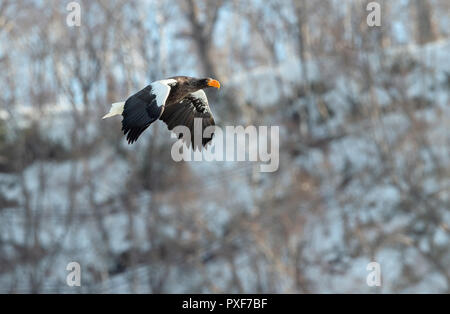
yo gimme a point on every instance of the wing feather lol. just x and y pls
(143, 108)
(195, 105)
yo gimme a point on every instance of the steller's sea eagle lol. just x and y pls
(176, 101)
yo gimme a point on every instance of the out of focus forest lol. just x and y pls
(364, 117)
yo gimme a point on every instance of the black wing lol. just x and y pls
(143, 108)
(194, 106)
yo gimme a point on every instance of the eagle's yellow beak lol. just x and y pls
(214, 83)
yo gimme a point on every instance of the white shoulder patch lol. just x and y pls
(161, 90)
(200, 94)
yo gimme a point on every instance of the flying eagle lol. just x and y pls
(177, 101)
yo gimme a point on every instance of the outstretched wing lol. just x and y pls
(193, 108)
(143, 108)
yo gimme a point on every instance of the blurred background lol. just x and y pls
(364, 171)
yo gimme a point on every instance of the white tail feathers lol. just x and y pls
(116, 109)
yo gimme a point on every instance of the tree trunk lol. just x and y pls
(425, 31)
